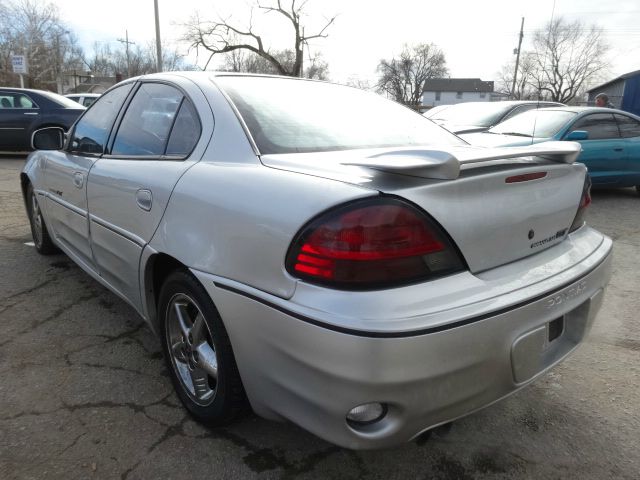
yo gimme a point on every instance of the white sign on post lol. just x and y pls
(19, 64)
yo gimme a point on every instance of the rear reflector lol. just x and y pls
(374, 243)
(526, 177)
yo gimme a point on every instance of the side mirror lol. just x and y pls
(50, 138)
(577, 135)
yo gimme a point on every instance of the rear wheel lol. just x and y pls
(198, 352)
(41, 239)
(638, 189)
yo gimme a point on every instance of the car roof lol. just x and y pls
(588, 110)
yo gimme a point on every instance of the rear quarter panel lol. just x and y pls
(231, 216)
(237, 221)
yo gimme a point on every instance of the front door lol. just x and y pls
(130, 187)
(604, 151)
(67, 172)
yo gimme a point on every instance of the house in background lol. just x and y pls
(623, 92)
(76, 83)
(447, 91)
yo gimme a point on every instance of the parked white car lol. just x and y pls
(84, 99)
(320, 253)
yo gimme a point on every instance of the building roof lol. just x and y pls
(621, 77)
(457, 85)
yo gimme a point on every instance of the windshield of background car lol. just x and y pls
(291, 116)
(481, 114)
(542, 123)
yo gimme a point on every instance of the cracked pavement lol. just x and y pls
(84, 392)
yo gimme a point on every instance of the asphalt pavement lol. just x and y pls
(84, 392)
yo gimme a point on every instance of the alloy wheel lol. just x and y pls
(191, 348)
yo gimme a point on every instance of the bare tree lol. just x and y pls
(33, 28)
(221, 36)
(566, 56)
(526, 86)
(403, 79)
(142, 60)
(249, 62)
(362, 84)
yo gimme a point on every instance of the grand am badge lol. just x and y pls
(552, 238)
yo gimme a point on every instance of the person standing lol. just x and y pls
(602, 100)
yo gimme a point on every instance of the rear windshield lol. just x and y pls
(542, 123)
(482, 114)
(292, 115)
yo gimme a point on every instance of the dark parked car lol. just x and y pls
(22, 111)
(480, 116)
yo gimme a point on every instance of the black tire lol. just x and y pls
(212, 400)
(638, 189)
(41, 239)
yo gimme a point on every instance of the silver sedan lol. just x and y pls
(320, 254)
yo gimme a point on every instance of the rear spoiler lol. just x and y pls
(445, 164)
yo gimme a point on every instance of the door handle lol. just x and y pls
(618, 149)
(78, 179)
(144, 199)
(31, 113)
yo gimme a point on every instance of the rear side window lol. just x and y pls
(150, 118)
(629, 127)
(16, 100)
(599, 125)
(186, 131)
(92, 130)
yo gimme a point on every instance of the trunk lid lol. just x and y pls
(498, 205)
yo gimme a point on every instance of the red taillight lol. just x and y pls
(372, 244)
(585, 201)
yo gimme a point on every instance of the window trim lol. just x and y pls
(72, 132)
(118, 123)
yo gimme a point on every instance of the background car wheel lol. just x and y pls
(41, 239)
(198, 352)
(638, 189)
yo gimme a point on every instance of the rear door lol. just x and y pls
(128, 189)
(604, 151)
(17, 112)
(630, 132)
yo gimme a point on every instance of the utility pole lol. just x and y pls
(302, 55)
(158, 44)
(127, 43)
(515, 73)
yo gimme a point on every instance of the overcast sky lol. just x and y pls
(477, 37)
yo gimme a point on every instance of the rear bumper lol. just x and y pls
(297, 363)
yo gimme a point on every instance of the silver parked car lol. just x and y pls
(471, 117)
(319, 253)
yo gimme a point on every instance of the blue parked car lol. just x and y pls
(610, 139)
